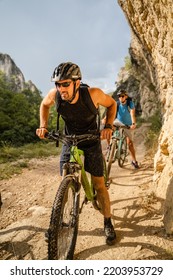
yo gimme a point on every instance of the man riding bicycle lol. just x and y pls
(126, 116)
(68, 96)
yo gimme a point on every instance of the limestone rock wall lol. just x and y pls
(151, 22)
(14, 75)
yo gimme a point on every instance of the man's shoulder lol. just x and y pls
(131, 104)
(94, 90)
(94, 93)
(52, 92)
(49, 99)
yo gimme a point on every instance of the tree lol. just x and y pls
(19, 114)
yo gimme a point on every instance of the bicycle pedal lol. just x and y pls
(108, 183)
(65, 224)
(85, 201)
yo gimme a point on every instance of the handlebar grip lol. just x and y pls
(46, 135)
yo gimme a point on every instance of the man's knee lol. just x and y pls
(130, 143)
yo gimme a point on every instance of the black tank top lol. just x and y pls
(78, 117)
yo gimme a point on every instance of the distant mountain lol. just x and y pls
(14, 75)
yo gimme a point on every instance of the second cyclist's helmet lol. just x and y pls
(65, 71)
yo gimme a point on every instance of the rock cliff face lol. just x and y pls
(151, 51)
(14, 74)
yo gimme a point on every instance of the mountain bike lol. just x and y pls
(63, 227)
(117, 148)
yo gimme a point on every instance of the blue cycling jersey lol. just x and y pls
(123, 114)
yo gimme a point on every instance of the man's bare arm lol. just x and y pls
(133, 118)
(100, 98)
(47, 102)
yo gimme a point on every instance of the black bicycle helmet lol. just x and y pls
(122, 91)
(65, 71)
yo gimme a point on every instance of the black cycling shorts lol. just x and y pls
(93, 159)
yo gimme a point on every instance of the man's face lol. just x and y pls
(65, 87)
(123, 98)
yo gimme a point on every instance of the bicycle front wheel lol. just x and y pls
(63, 228)
(112, 156)
(122, 151)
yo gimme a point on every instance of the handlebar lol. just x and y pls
(121, 126)
(73, 139)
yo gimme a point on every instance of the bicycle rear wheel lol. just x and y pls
(112, 156)
(63, 228)
(122, 151)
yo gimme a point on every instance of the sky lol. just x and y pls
(40, 34)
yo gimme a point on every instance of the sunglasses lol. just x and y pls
(65, 84)
(121, 96)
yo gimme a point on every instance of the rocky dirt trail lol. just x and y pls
(136, 214)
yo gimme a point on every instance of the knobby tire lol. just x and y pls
(63, 228)
(122, 152)
(112, 156)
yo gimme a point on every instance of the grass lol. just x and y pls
(9, 169)
(13, 160)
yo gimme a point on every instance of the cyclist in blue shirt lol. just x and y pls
(126, 116)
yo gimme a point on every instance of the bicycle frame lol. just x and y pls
(76, 157)
(115, 138)
(119, 137)
(117, 148)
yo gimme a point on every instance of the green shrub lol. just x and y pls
(127, 63)
(152, 136)
(37, 150)
(14, 159)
